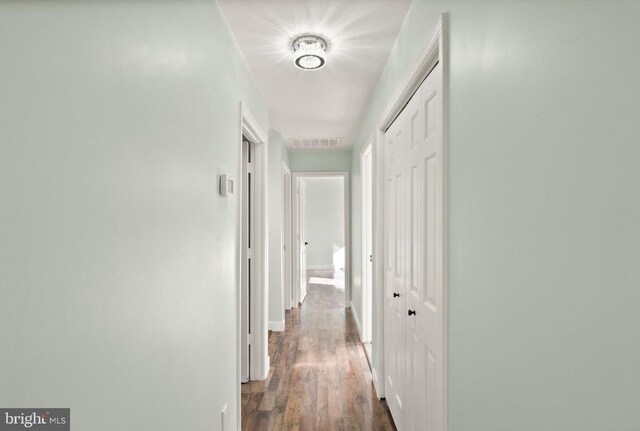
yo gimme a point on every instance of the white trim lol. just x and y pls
(238, 281)
(250, 127)
(427, 60)
(355, 319)
(436, 51)
(303, 297)
(259, 367)
(259, 310)
(377, 348)
(297, 176)
(287, 240)
(444, 62)
(295, 242)
(374, 378)
(276, 326)
(367, 294)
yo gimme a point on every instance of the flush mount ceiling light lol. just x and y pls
(310, 52)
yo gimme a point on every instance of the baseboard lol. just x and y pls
(302, 299)
(262, 374)
(276, 326)
(319, 267)
(355, 318)
(376, 384)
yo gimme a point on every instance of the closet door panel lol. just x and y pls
(414, 211)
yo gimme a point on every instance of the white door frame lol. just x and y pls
(367, 283)
(247, 195)
(297, 176)
(259, 364)
(435, 52)
(298, 278)
(287, 238)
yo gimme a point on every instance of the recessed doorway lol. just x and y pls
(321, 232)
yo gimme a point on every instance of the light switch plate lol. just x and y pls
(226, 185)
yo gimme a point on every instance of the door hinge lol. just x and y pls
(250, 167)
(249, 253)
(249, 339)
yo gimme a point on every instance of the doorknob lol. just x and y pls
(306, 243)
(412, 312)
(395, 295)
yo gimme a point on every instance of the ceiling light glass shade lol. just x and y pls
(310, 52)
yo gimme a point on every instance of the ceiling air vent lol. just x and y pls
(302, 143)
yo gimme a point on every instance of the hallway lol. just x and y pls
(319, 377)
(467, 172)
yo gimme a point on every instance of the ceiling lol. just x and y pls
(326, 103)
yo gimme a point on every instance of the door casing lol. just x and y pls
(287, 238)
(247, 195)
(259, 366)
(366, 170)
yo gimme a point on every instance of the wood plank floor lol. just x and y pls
(319, 377)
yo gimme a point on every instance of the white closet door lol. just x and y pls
(395, 309)
(414, 211)
(424, 336)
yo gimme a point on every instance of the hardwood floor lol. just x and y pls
(319, 377)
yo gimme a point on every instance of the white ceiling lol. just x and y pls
(330, 102)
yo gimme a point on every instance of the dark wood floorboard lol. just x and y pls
(319, 377)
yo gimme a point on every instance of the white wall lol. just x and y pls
(324, 215)
(117, 280)
(543, 210)
(278, 153)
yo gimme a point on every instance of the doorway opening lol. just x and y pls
(321, 232)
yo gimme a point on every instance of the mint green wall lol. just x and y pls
(543, 210)
(117, 282)
(324, 218)
(324, 160)
(278, 153)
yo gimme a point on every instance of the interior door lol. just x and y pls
(425, 213)
(245, 273)
(414, 264)
(303, 241)
(394, 303)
